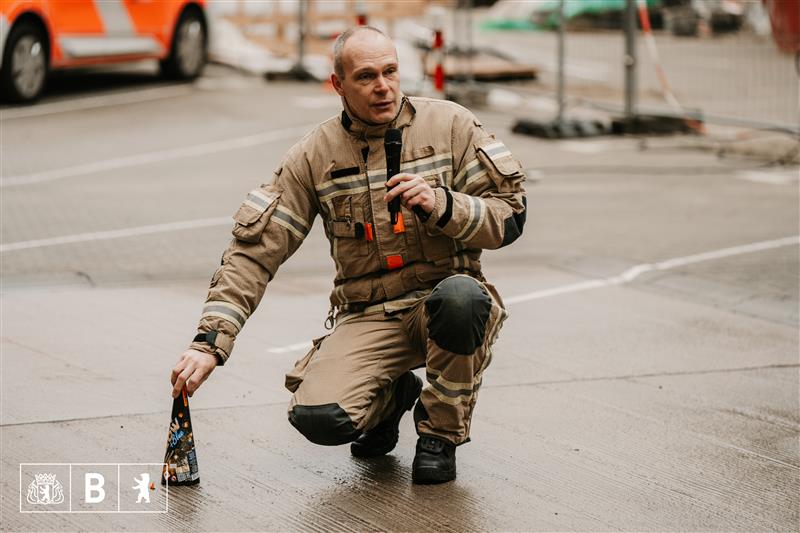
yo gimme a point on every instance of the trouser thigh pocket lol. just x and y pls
(295, 377)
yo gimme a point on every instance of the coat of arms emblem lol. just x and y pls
(45, 489)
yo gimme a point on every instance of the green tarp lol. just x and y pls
(543, 14)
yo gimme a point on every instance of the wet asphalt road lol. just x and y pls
(662, 399)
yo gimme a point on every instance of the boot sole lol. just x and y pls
(357, 451)
(432, 476)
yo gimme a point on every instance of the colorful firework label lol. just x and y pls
(180, 466)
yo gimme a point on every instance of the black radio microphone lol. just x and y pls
(393, 144)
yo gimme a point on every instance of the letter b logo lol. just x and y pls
(93, 488)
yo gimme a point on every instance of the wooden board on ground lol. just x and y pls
(484, 68)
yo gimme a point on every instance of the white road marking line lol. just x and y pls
(584, 147)
(771, 178)
(157, 156)
(317, 102)
(116, 234)
(626, 277)
(91, 102)
(533, 174)
(634, 272)
(291, 347)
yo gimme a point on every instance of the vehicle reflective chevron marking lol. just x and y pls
(120, 37)
(80, 47)
(115, 17)
(3, 34)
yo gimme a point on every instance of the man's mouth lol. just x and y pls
(383, 104)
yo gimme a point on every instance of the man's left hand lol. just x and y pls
(413, 190)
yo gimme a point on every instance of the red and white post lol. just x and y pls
(437, 17)
(361, 13)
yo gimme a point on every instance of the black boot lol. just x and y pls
(435, 461)
(382, 439)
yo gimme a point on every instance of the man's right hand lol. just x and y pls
(191, 370)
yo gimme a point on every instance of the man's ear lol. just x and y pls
(337, 84)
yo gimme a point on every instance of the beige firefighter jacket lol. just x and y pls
(338, 171)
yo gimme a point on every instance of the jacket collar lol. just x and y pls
(362, 130)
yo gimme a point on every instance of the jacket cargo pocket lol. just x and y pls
(254, 213)
(503, 168)
(353, 236)
(295, 377)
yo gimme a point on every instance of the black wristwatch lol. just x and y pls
(209, 337)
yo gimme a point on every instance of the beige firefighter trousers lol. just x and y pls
(344, 385)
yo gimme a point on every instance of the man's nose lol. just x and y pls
(381, 85)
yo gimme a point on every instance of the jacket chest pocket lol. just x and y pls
(352, 235)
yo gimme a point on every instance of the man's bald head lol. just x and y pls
(365, 33)
(366, 75)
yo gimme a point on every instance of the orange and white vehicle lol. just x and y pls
(37, 36)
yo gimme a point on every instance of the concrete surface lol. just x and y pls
(662, 401)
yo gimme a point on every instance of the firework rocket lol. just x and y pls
(180, 466)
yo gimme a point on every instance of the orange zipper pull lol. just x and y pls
(400, 226)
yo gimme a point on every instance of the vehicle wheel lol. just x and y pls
(25, 63)
(188, 55)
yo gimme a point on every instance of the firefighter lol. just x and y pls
(406, 295)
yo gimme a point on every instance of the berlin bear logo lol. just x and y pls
(45, 489)
(143, 486)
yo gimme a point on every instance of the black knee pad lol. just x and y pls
(326, 424)
(458, 309)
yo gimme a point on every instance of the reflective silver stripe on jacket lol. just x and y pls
(285, 217)
(477, 210)
(226, 311)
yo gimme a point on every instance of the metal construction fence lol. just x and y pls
(715, 60)
(726, 69)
